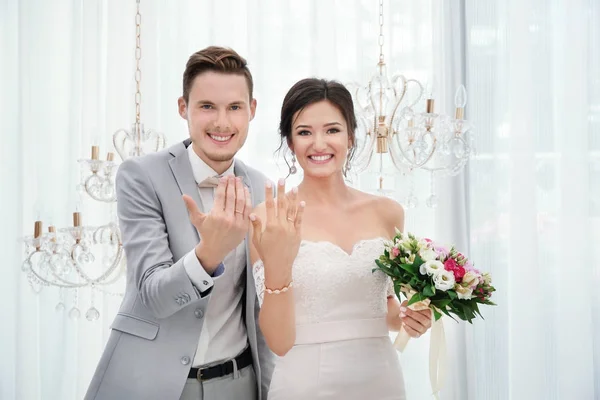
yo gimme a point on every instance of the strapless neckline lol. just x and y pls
(335, 246)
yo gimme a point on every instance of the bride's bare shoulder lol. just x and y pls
(388, 210)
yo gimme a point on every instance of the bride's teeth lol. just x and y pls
(221, 138)
(321, 158)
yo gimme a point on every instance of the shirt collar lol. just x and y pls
(201, 170)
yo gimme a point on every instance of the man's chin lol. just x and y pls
(220, 156)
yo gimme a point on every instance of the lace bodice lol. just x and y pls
(332, 285)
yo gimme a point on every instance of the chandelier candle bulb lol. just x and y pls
(52, 232)
(37, 230)
(460, 113)
(95, 152)
(37, 234)
(76, 219)
(460, 101)
(110, 156)
(430, 104)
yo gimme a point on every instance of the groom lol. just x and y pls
(187, 327)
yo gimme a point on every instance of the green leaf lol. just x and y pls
(448, 313)
(452, 294)
(411, 268)
(436, 314)
(416, 298)
(429, 290)
(418, 262)
(442, 303)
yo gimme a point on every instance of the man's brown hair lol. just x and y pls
(217, 59)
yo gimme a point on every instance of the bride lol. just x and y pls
(323, 311)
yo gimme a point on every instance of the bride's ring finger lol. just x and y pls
(291, 209)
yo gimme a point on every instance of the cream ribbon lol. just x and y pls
(437, 345)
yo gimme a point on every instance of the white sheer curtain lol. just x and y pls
(67, 83)
(534, 197)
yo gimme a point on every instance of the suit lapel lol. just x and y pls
(239, 169)
(182, 171)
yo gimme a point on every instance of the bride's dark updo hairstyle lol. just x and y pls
(312, 90)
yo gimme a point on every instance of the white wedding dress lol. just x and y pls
(343, 349)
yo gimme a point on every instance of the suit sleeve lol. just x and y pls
(163, 284)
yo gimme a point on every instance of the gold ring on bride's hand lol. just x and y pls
(290, 219)
(239, 212)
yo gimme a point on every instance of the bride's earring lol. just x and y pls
(346, 167)
(293, 168)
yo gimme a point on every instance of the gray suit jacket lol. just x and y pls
(155, 334)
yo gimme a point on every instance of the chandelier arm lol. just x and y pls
(46, 282)
(88, 188)
(412, 163)
(106, 273)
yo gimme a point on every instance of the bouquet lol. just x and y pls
(433, 276)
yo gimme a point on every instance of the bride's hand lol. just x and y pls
(278, 244)
(415, 323)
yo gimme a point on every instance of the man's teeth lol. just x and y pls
(321, 158)
(221, 138)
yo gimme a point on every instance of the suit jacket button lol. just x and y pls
(198, 313)
(185, 360)
(205, 283)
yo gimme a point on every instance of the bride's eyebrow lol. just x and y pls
(326, 125)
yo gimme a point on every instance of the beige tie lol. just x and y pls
(210, 182)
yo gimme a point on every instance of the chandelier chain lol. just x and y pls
(138, 56)
(381, 31)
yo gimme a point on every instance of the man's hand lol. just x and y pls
(225, 226)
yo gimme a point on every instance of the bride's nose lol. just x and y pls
(319, 143)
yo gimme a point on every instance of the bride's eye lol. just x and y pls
(303, 133)
(333, 130)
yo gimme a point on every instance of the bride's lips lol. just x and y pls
(320, 158)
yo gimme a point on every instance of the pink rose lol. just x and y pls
(459, 272)
(450, 264)
(395, 253)
(455, 268)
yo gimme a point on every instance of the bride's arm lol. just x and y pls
(277, 318)
(393, 217)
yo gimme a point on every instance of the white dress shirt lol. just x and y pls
(223, 333)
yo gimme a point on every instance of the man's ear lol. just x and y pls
(253, 104)
(182, 107)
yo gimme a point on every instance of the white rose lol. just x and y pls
(444, 280)
(487, 278)
(464, 292)
(428, 254)
(471, 279)
(432, 267)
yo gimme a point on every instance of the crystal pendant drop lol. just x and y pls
(74, 314)
(60, 307)
(412, 201)
(92, 314)
(432, 201)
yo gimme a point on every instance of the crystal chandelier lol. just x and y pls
(97, 175)
(393, 119)
(67, 258)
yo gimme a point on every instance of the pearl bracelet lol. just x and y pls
(279, 291)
